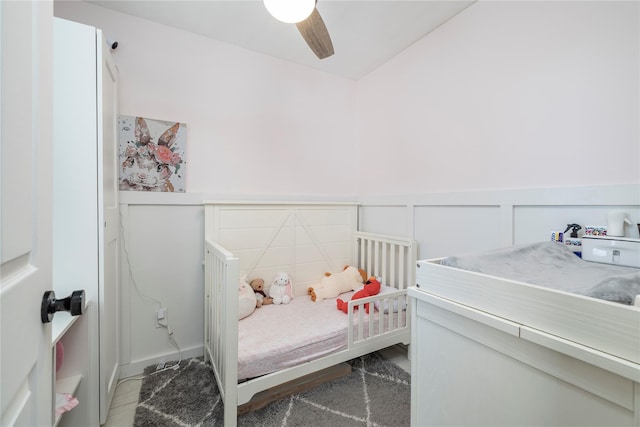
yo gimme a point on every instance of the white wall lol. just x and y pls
(507, 94)
(162, 266)
(255, 124)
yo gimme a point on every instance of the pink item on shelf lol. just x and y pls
(65, 402)
(59, 355)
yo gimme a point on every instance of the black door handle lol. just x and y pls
(74, 304)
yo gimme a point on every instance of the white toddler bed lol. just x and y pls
(277, 344)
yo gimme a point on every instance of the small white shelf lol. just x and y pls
(61, 323)
(66, 385)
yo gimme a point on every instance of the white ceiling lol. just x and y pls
(365, 33)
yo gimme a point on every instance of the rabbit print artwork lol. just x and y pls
(151, 155)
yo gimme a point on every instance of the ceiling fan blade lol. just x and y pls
(315, 33)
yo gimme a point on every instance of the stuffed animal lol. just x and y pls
(246, 299)
(281, 289)
(371, 288)
(261, 296)
(332, 285)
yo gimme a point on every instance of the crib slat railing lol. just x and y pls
(364, 326)
(391, 258)
(221, 329)
(385, 257)
(402, 272)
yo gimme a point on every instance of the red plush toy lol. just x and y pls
(371, 287)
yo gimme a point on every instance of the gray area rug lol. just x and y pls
(376, 393)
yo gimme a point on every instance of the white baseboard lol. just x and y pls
(137, 367)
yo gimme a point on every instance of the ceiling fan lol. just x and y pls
(308, 20)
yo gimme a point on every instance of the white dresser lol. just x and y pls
(477, 360)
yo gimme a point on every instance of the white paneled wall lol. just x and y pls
(164, 235)
(448, 223)
(450, 229)
(387, 218)
(164, 246)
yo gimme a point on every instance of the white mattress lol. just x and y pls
(275, 337)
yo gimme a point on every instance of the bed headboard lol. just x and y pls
(302, 239)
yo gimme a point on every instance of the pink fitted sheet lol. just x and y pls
(275, 337)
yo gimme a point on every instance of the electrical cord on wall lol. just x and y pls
(165, 324)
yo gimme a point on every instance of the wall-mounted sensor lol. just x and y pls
(113, 44)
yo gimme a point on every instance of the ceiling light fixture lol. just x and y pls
(290, 11)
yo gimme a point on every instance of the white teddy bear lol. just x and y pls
(281, 289)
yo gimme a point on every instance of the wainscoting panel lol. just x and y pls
(391, 220)
(164, 235)
(444, 230)
(458, 222)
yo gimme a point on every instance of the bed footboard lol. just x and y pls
(222, 279)
(393, 260)
(390, 322)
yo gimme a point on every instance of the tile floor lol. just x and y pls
(123, 407)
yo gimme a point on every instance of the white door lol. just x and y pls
(25, 212)
(85, 116)
(110, 229)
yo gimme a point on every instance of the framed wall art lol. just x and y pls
(151, 154)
